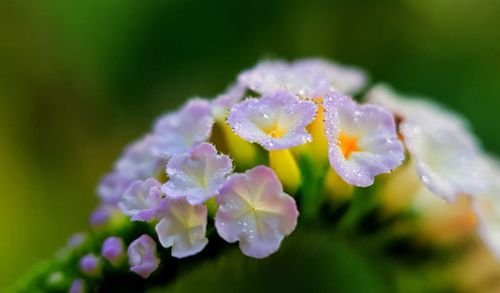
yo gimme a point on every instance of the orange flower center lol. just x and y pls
(348, 144)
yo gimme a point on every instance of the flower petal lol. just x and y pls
(362, 139)
(141, 199)
(446, 154)
(306, 78)
(198, 174)
(177, 132)
(254, 210)
(275, 121)
(183, 227)
(142, 256)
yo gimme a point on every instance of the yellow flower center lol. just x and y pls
(348, 144)
(276, 133)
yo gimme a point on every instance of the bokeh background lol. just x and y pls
(79, 79)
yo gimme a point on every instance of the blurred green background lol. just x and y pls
(79, 79)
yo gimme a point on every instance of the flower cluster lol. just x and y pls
(234, 165)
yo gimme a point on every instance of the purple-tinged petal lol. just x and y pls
(275, 121)
(112, 186)
(138, 160)
(141, 199)
(254, 210)
(306, 78)
(348, 80)
(142, 256)
(113, 249)
(362, 139)
(177, 132)
(183, 227)
(197, 175)
(223, 103)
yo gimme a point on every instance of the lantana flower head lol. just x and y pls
(177, 132)
(362, 139)
(446, 154)
(182, 227)
(254, 210)
(275, 121)
(320, 144)
(142, 256)
(198, 174)
(306, 78)
(141, 199)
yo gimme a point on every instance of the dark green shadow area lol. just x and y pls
(308, 261)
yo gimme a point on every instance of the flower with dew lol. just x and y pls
(446, 154)
(142, 256)
(305, 78)
(254, 210)
(276, 121)
(177, 132)
(113, 249)
(362, 139)
(183, 227)
(141, 199)
(197, 175)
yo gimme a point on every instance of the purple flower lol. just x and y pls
(100, 217)
(197, 175)
(90, 265)
(78, 286)
(141, 199)
(306, 78)
(362, 139)
(113, 249)
(183, 227)
(446, 154)
(112, 186)
(274, 121)
(223, 103)
(138, 160)
(254, 210)
(142, 256)
(177, 132)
